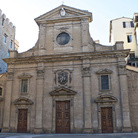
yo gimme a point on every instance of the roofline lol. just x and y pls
(121, 18)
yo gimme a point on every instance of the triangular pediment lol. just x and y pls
(24, 76)
(106, 99)
(62, 91)
(68, 13)
(104, 71)
(23, 101)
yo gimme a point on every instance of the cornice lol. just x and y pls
(65, 19)
(67, 57)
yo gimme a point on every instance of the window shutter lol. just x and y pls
(132, 24)
(124, 25)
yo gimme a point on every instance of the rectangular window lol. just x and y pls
(137, 38)
(132, 55)
(128, 24)
(129, 38)
(104, 82)
(5, 38)
(2, 23)
(0, 91)
(11, 44)
(24, 85)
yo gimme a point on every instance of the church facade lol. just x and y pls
(66, 83)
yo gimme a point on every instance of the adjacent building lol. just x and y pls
(135, 18)
(7, 40)
(123, 29)
(67, 83)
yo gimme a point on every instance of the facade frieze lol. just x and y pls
(67, 57)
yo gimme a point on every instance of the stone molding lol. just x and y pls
(104, 71)
(25, 76)
(71, 14)
(62, 91)
(105, 99)
(69, 57)
(23, 101)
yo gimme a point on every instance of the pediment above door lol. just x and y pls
(106, 99)
(62, 91)
(23, 101)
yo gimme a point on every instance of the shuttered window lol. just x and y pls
(128, 24)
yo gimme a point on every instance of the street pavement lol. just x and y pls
(112, 135)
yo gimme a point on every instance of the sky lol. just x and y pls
(23, 12)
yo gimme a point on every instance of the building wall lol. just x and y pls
(135, 17)
(132, 75)
(86, 112)
(6, 29)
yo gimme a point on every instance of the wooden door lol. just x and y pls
(63, 117)
(22, 121)
(106, 120)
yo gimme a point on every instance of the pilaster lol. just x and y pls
(87, 98)
(7, 106)
(124, 99)
(39, 99)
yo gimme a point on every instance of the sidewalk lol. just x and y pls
(113, 135)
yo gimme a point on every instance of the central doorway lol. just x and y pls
(106, 120)
(63, 117)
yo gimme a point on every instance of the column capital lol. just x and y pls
(10, 76)
(40, 73)
(86, 71)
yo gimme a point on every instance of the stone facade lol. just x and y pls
(7, 39)
(66, 83)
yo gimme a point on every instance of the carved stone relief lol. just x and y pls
(63, 78)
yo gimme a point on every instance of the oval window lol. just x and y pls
(63, 38)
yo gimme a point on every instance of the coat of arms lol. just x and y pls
(62, 78)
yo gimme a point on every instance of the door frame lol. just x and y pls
(65, 98)
(113, 117)
(22, 103)
(28, 118)
(64, 112)
(18, 121)
(109, 108)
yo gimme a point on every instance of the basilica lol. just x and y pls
(68, 83)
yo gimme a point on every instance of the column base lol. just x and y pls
(127, 129)
(5, 130)
(38, 131)
(88, 130)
